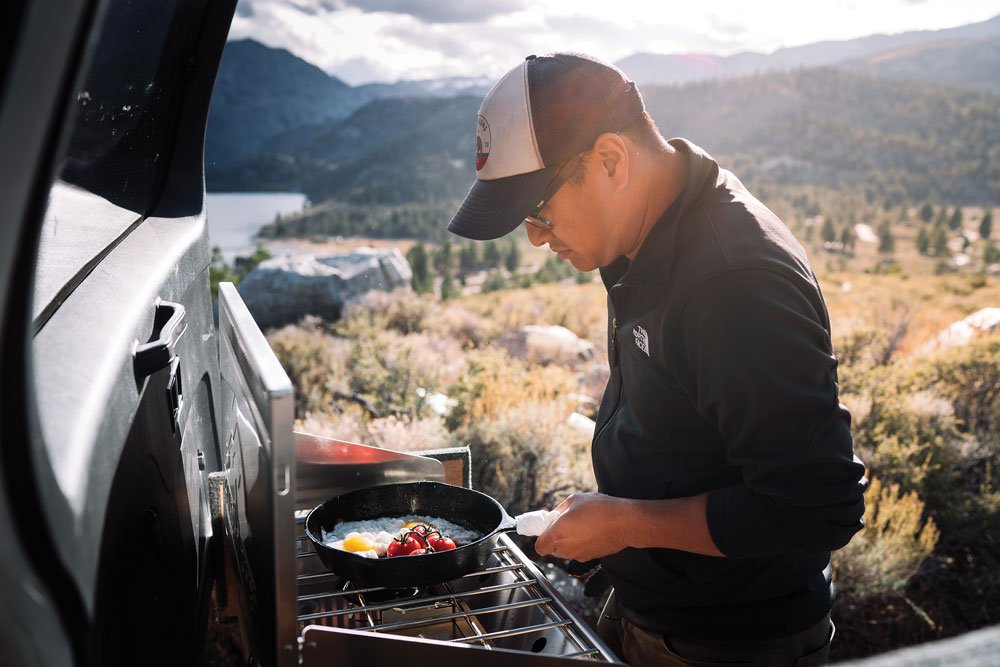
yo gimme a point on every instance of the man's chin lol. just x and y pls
(581, 263)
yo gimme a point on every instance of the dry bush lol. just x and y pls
(316, 364)
(580, 308)
(467, 328)
(404, 434)
(881, 559)
(346, 424)
(386, 369)
(400, 310)
(528, 456)
(492, 383)
(969, 376)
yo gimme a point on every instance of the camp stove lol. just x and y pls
(292, 609)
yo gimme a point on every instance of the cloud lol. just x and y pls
(727, 26)
(388, 40)
(244, 9)
(436, 11)
(361, 70)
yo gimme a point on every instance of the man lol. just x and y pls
(723, 458)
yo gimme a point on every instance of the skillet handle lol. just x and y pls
(507, 523)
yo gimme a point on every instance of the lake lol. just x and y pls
(234, 218)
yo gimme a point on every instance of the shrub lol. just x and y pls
(969, 376)
(881, 559)
(315, 363)
(405, 434)
(386, 370)
(400, 310)
(492, 382)
(464, 327)
(528, 457)
(347, 422)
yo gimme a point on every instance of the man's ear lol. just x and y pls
(612, 153)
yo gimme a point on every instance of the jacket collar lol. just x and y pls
(654, 260)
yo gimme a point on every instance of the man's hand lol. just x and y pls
(585, 528)
(593, 525)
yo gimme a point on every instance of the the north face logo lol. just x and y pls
(641, 339)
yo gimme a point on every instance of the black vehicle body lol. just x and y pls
(109, 362)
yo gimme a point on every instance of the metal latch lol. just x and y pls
(158, 351)
(175, 394)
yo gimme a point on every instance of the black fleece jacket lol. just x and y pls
(724, 379)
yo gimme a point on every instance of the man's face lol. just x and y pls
(583, 226)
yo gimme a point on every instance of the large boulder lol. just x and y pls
(284, 289)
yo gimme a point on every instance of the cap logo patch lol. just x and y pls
(483, 138)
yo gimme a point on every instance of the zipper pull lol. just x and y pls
(614, 342)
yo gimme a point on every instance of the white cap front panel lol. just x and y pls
(505, 139)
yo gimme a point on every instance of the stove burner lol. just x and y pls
(377, 595)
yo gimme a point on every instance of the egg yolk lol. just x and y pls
(358, 543)
(414, 524)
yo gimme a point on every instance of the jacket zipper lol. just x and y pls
(618, 377)
(614, 342)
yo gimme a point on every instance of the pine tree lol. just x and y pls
(886, 241)
(926, 212)
(448, 290)
(847, 238)
(829, 232)
(468, 257)
(442, 258)
(986, 225)
(491, 255)
(955, 221)
(417, 257)
(923, 240)
(939, 241)
(513, 258)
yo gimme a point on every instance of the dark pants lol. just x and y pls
(642, 648)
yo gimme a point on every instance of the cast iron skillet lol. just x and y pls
(465, 507)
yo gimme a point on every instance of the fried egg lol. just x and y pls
(371, 537)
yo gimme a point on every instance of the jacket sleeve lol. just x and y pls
(756, 360)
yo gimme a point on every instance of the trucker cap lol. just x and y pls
(539, 115)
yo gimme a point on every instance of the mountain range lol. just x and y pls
(261, 92)
(897, 111)
(904, 54)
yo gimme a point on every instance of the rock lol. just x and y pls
(582, 423)
(284, 289)
(547, 345)
(980, 323)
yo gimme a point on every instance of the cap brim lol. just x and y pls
(495, 208)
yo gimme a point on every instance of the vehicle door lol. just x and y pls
(109, 351)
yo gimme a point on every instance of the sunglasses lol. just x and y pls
(563, 174)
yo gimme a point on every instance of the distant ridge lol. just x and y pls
(261, 92)
(903, 121)
(905, 140)
(647, 68)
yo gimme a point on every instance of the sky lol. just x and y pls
(363, 41)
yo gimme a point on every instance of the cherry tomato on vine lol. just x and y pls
(439, 542)
(403, 546)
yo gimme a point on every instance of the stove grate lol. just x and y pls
(508, 604)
